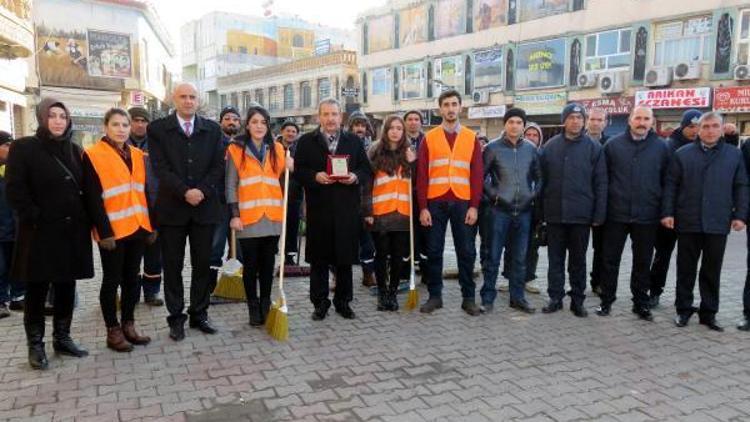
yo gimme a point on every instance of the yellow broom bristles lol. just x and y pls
(273, 315)
(280, 329)
(230, 287)
(412, 300)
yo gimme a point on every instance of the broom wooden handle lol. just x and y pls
(411, 228)
(232, 244)
(283, 227)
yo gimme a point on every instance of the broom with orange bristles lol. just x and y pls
(277, 321)
(412, 300)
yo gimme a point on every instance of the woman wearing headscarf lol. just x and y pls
(44, 182)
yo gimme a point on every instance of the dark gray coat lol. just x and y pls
(512, 175)
(575, 181)
(334, 221)
(636, 171)
(706, 190)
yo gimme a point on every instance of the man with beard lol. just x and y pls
(449, 189)
(666, 238)
(151, 277)
(637, 163)
(289, 134)
(229, 120)
(359, 125)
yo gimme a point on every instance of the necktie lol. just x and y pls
(332, 143)
(187, 129)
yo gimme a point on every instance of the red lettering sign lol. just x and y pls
(732, 100)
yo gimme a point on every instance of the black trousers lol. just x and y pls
(665, 243)
(259, 260)
(642, 238)
(709, 249)
(597, 266)
(746, 293)
(293, 215)
(120, 268)
(151, 276)
(573, 240)
(173, 240)
(390, 250)
(36, 296)
(319, 284)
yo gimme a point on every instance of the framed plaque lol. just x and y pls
(338, 166)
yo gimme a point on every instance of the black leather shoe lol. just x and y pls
(62, 343)
(744, 325)
(579, 311)
(205, 326)
(319, 314)
(345, 311)
(522, 306)
(603, 310)
(38, 357)
(470, 307)
(432, 304)
(681, 320)
(643, 313)
(177, 332)
(711, 324)
(552, 307)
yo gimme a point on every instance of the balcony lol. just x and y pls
(16, 30)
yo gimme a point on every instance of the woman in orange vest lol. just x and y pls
(254, 165)
(115, 177)
(386, 207)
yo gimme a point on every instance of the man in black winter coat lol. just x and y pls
(188, 158)
(574, 197)
(637, 163)
(745, 324)
(595, 125)
(706, 194)
(666, 239)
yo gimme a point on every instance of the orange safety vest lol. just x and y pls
(449, 170)
(123, 191)
(390, 193)
(259, 192)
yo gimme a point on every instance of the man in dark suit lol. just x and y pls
(333, 206)
(187, 156)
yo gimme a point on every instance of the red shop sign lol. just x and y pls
(735, 99)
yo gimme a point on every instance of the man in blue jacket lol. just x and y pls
(666, 239)
(11, 291)
(574, 197)
(706, 194)
(512, 180)
(637, 163)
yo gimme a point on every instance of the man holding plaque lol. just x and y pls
(449, 188)
(330, 164)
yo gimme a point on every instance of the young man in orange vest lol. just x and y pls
(449, 188)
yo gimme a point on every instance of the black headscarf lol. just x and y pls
(42, 113)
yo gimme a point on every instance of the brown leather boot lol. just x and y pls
(128, 329)
(116, 340)
(368, 279)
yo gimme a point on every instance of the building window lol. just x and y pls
(324, 88)
(380, 78)
(449, 73)
(288, 97)
(743, 46)
(298, 41)
(305, 94)
(412, 81)
(273, 99)
(364, 87)
(259, 97)
(608, 50)
(223, 100)
(682, 41)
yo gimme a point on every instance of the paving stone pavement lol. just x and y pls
(397, 366)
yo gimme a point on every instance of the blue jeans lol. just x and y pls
(442, 213)
(499, 227)
(9, 289)
(366, 251)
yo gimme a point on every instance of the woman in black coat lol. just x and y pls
(53, 244)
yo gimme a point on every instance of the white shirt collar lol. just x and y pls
(183, 121)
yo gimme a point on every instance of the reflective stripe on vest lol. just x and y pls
(390, 193)
(259, 190)
(449, 169)
(123, 190)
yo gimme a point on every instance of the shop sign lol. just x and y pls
(488, 112)
(734, 99)
(610, 105)
(537, 104)
(674, 98)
